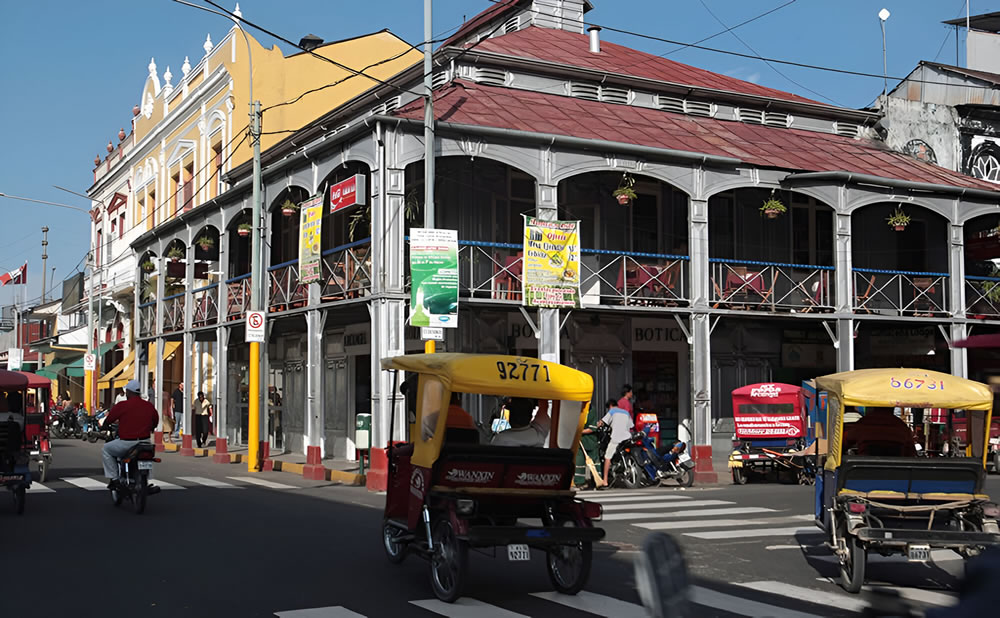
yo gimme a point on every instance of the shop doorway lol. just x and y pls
(335, 402)
(293, 412)
(609, 373)
(654, 384)
(238, 399)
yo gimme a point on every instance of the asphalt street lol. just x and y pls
(219, 541)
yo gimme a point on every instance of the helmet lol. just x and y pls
(133, 386)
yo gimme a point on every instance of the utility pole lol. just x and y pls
(256, 294)
(88, 376)
(429, 346)
(45, 256)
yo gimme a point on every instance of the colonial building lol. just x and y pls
(188, 128)
(689, 290)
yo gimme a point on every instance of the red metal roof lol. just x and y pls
(494, 11)
(467, 103)
(572, 49)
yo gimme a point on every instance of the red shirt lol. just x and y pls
(625, 404)
(136, 418)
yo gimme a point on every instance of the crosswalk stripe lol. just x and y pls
(596, 495)
(87, 483)
(38, 488)
(740, 605)
(718, 523)
(752, 532)
(595, 604)
(930, 597)
(800, 593)
(200, 480)
(261, 482)
(320, 612)
(611, 499)
(736, 510)
(466, 608)
(165, 485)
(659, 505)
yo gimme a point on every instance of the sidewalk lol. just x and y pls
(335, 470)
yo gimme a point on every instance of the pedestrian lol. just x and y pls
(620, 422)
(202, 411)
(121, 397)
(167, 416)
(625, 403)
(178, 408)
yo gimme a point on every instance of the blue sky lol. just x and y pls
(71, 71)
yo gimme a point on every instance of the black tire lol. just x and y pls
(19, 500)
(43, 469)
(56, 432)
(739, 476)
(996, 462)
(629, 475)
(395, 550)
(93, 437)
(852, 570)
(139, 497)
(686, 477)
(449, 562)
(569, 565)
(117, 497)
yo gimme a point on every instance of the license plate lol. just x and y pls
(518, 553)
(145, 465)
(918, 553)
(683, 457)
(34, 452)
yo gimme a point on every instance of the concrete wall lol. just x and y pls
(935, 125)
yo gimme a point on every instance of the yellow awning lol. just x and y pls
(168, 351)
(908, 388)
(123, 368)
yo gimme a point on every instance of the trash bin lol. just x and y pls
(363, 437)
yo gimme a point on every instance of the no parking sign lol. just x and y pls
(255, 327)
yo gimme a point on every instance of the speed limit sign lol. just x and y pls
(255, 327)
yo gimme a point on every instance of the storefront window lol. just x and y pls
(654, 384)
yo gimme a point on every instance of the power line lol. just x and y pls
(729, 29)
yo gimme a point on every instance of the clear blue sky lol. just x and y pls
(71, 71)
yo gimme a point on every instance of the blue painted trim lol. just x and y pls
(777, 264)
(350, 245)
(238, 279)
(166, 298)
(909, 273)
(207, 287)
(283, 265)
(655, 256)
(971, 278)
(149, 304)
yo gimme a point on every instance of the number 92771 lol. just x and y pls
(524, 372)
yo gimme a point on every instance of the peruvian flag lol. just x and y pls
(15, 277)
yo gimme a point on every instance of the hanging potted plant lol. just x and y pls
(175, 253)
(206, 243)
(899, 220)
(773, 207)
(148, 266)
(289, 208)
(625, 192)
(244, 229)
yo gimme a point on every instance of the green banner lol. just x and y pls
(434, 277)
(551, 263)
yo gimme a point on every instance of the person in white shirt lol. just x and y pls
(620, 422)
(523, 430)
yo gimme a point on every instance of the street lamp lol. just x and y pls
(883, 15)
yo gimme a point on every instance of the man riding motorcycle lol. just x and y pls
(136, 419)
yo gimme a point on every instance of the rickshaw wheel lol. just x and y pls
(395, 550)
(569, 565)
(852, 570)
(43, 469)
(19, 496)
(449, 562)
(739, 476)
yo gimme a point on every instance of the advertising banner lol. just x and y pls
(310, 228)
(434, 276)
(350, 192)
(551, 263)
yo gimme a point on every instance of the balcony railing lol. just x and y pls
(903, 293)
(147, 319)
(206, 305)
(237, 297)
(173, 313)
(346, 271)
(982, 297)
(771, 286)
(285, 290)
(632, 278)
(489, 270)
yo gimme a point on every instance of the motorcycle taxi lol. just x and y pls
(15, 444)
(449, 493)
(870, 499)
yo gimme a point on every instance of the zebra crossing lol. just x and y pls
(699, 518)
(180, 483)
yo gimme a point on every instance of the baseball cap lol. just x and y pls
(133, 386)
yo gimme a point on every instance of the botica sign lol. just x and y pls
(654, 335)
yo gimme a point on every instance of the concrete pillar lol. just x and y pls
(159, 381)
(701, 334)
(845, 345)
(159, 384)
(959, 356)
(956, 298)
(843, 273)
(699, 274)
(547, 209)
(314, 378)
(220, 380)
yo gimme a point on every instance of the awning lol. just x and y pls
(168, 351)
(52, 371)
(122, 372)
(979, 341)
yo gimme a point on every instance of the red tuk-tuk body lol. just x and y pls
(37, 416)
(770, 423)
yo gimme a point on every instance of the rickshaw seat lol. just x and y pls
(10, 437)
(895, 495)
(907, 475)
(458, 435)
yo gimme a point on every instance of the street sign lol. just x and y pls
(432, 333)
(15, 358)
(348, 193)
(255, 327)
(90, 362)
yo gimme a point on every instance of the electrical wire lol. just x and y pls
(729, 29)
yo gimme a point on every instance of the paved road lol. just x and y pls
(221, 542)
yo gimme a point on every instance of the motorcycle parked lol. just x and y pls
(66, 424)
(95, 432)
(134, 470)
(636, 463)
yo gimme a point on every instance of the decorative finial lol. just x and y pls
(152, 66)
(237, 12)
(111, 147)
(208, 45)
(186, 67)
(167, 77)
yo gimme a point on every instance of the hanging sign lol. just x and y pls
(15, 358)
(255, 327)
(90, 362)
(347, 193)
(310, 228)
(551, 263)
(434, 273)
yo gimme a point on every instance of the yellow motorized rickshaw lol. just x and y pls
(876, 494)
(449, 490)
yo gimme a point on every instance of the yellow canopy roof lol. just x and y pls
(169, 348)
(491, 374)
(122, 372)
(915, 388)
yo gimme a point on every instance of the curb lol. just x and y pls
(288, 467)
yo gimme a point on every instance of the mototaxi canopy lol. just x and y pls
(12, 381)
(490, 374)
(905, 388)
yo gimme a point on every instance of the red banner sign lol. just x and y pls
(350, 192)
